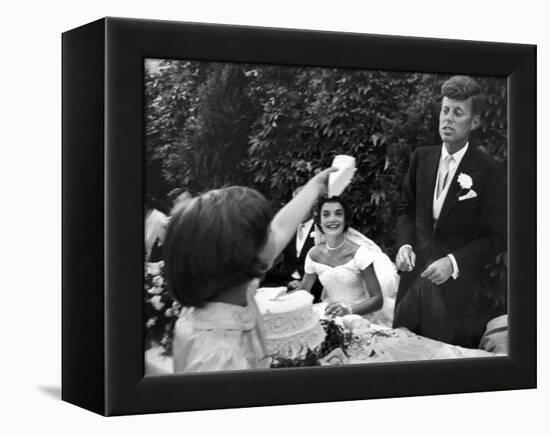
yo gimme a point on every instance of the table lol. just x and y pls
(373, 343)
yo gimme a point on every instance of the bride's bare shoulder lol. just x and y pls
(316, 253)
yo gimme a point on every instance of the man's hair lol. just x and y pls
(151, 202)
(462, 87)
(332, 199)
(213, 243)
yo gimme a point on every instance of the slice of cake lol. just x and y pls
(290, 324)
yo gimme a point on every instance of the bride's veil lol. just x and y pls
(385, 269)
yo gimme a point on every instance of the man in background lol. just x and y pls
(289, 267)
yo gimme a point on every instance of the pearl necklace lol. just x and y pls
(335, 248)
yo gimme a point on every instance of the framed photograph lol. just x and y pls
(194, 177)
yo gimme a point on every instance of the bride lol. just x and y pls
(350, 267)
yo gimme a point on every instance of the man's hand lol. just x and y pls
(438, 272)
(405, 259)
(292, 285)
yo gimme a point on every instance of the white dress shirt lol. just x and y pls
(438, 201)
(302, 232)
(301, 235)
(453, 165)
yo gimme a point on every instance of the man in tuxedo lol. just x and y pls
(155, 226)
(451, 223)
(295, 256)
(288, 268)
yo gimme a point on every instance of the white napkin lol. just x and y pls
(339, 180)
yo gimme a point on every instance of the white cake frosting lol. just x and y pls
(290, 324)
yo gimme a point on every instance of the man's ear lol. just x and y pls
(476, 122)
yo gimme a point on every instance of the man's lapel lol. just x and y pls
(308, 243)
(466, 166)
(428, 179)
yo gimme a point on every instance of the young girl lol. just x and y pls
(217, 248)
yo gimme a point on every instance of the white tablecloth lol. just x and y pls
(376, 343)
(372, 344)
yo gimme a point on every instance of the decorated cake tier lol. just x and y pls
(290, 324)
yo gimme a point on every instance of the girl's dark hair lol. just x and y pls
(213, 242)
(319, 207)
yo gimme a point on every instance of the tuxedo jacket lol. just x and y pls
(296, 259)
(291, 261)
(473, 230)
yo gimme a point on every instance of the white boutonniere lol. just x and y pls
(465, 181)
(466, 184)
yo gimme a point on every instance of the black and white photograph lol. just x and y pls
(301, 216)
(274, 217)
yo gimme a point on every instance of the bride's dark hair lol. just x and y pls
(213, 242)
(319, 207)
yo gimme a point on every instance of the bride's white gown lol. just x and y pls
(344, 283)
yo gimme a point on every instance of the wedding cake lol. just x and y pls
(290, 324)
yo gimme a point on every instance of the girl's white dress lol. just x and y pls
(219, 337)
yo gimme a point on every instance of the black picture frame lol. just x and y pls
(103, 135)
